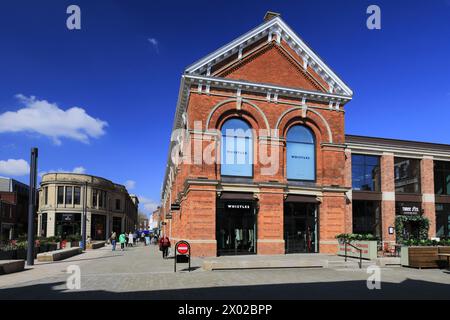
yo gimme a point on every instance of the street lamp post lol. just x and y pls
(32, 206)
(84, 231)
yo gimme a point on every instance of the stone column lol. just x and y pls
(108, 225)
(39, 225)
(51, 220)
(428, 195)
(388, 196)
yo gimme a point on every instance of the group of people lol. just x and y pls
(128, 240)
(124, 240)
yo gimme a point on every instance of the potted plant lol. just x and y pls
(75, 240)
(21, 250)
(53, 243)
(8, 252)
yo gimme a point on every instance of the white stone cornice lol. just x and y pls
(265, 88)
(416, 153)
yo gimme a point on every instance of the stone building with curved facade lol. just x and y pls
(62, 198)
(259, 161)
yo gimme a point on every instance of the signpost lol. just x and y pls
(182, 254)
(32, 207)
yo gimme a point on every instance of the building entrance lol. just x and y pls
(98, 227)
(300, 227)
(117, 225)
(236, 227)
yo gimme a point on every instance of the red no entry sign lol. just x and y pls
(182, 248)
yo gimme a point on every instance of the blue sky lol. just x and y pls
(123, 70)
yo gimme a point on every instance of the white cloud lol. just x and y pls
(130, 184)
(79, 170)
(74, 170)
(154, 42)
(45, 118)
(148, 205)
(14, 167)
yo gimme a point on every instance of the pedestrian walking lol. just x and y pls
(164, 245)
(135, 237)
(142, 236)
(122, 240)
(130, 239)
(113, 241)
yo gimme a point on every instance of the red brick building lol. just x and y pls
(13, 209)
(259, 161)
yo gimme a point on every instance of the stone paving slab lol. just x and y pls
(141, 273)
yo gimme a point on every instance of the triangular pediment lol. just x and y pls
(272, 64)
(316, 75)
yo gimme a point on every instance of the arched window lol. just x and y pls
(300, 154)
(237, 149)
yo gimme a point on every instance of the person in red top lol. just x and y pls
(164, 245)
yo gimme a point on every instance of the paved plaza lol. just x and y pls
(141, 273)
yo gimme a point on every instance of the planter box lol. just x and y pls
(369, 249)
(21, 254)
(7, 254)
(59, 254)
(95, 245)
(423, 257)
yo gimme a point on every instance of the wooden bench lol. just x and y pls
(59, 254)
(10, 266)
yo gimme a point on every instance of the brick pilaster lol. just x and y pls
(270, 222)
(428, 197)
(348, 184)
(388, 191)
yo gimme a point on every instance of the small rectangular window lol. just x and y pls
(76, 195)
(100, 199)
(60, 195)
(69, 194)
(46, 195)
(94, 197)
(117, 204)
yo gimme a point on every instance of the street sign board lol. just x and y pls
(182, 254)
(175, 206)
(182, 248)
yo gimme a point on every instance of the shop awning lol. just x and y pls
(301, 198)
(236, 196)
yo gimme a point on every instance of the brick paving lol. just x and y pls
(141, 273)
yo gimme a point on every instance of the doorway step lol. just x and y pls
(288, 261)
(314, 260)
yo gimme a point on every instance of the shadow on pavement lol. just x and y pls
(408, 289)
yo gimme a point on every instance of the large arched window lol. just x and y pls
(300, 154)
(237, 149)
